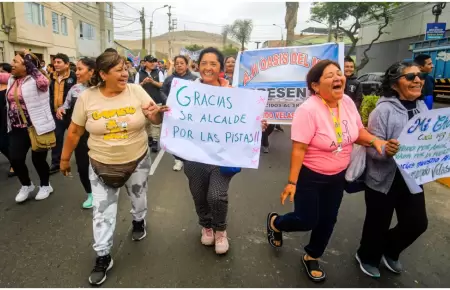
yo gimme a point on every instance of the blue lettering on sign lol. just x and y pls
(442, 123)
(182, 133)
(419, 124)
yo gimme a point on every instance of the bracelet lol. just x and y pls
(292, 183)
(373, 140)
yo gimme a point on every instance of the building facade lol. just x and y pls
(48, 28)
(408, 25)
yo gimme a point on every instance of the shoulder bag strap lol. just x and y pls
(16, 98)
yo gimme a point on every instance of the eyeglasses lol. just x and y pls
(412, 76)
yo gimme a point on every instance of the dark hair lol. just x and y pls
(62, 57)
(392, 75)
(349, 59)
(51, 65)
(215, 51)
(228, 57)
(180, 56)
(110, 49)
(316, 72)
(104, 63)
(421, 58)
(6, 67)
(89, 62)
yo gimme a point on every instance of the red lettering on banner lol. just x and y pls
(284, 58)
(293, 58)
(284, 115)
(254, 72)
(315, 60)
(302, 59)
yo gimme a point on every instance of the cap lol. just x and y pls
(150, 58)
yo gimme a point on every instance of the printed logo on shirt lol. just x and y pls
(69, 81)
(116, 122)
(346, 137)
(352, 88)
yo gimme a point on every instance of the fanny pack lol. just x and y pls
(115, 175)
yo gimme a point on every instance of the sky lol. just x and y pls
(201, 16)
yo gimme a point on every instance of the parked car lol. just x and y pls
(371, 83)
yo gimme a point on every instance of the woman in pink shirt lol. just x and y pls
(324, 129)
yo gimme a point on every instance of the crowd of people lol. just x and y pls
(112, 113)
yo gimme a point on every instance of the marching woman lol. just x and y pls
(209, 183)
(28, 106)
(386, 189)
(181, 72)
(114, 113)
(324, 129)
(84, 72)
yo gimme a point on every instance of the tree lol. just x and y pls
(226, 30)
(229, 50)
(242, 30)
(194, 47)
(335, 13)
(291, 21)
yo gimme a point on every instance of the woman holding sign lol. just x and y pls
(324, 129)
(386, 189)
(209, 183)
(114, 113)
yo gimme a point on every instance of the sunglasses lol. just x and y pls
(412, 76)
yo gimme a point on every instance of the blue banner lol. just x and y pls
(282, 72)
(435, 31)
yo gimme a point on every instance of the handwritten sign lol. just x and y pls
(214, 125)
(282, 73)
(425, 146)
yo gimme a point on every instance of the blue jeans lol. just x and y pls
(316, 205)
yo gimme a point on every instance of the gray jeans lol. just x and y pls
(105, 200)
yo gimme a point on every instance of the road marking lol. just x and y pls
(156, 163)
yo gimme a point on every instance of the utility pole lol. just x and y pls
(151, 28)
(257, 44)
(170, 29)
(143, 31)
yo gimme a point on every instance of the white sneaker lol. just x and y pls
(24, 193)
(178, 165)
(44, 192)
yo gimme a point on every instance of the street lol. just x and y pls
(49, 243)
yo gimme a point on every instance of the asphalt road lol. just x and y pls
(49, 243)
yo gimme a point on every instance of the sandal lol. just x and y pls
(273, 236)
(313, 265)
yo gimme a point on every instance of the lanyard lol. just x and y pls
(337, 126)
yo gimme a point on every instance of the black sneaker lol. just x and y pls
(54, 169)
(102, 265)
(155, 146)
(139, 231)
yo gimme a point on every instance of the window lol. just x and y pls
(64, 25)
(55, 22)
(34, 12)
(109, 36)
(87, 31)
(108, 11)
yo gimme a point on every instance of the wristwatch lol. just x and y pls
(292, 183)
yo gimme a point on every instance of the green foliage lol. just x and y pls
(368, 104)
(229, 50)
(336, 13)
(194, 47)
(241, 30)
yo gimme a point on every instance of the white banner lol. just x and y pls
(424, 153)
(214, 125)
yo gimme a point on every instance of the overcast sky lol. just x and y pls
(201, 16)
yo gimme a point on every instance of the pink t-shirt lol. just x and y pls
(313, 125)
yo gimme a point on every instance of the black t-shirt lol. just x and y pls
(411, 106)
(3, 112)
